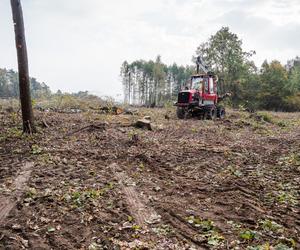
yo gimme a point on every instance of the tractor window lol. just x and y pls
(205, 85)
(211, 85)
(196, 83)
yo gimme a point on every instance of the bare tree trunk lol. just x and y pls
(24, 81)
(129, 88)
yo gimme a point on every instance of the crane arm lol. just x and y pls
(201, 65)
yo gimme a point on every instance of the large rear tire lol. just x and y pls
(211, 113)
(221, 113)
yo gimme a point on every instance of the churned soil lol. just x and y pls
(93, 181)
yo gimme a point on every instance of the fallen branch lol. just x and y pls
(45, 124)
(101, 126)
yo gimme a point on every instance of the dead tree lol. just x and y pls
(24, 81)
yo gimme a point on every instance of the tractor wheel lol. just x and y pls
(180, 113)
(221, 113)
(211, 113)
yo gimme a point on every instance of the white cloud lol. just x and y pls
(80, 44)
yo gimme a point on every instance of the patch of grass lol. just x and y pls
(286, 244)
(248, 235)
(31, 192)
(163, 230)
(287, 198)
(14, 132)
(46, 158)
(269, 118)
(133, 133)
(205, 225)
(269, 225)
(291, 160)
(257, 125)
(215, 239)
(234, 170)
(285, 194)
(243, 123)
(282, 246)
(136, 227)
(80, 198)
(36, 150)
(194, 130)
(266, 117)
(209, 230)
(234, 225)
(290, 242)
(282, 123)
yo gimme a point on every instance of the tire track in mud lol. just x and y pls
(183, 230)
(145, 215)
(142, 213)
(7, 203)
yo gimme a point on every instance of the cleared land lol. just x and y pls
(187, 184)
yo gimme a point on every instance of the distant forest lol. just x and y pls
(273, 86)
(9, 85)
(153, 82)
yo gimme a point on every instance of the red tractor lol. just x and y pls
(200, 97)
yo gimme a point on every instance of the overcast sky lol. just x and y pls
(80, 44)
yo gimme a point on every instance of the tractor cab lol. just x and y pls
(199, 82)
(205, 84)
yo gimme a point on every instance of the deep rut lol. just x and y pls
(7, 203)
(142, 213)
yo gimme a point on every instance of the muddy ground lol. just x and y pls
(187, 184)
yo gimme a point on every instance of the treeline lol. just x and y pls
(153, 83)
(9, 85)
(273, 86)
(9, 88)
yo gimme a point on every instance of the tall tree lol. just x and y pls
(159, 77)
(294, 79)
(24, 81)
(224, 54)
(273, 79)
(125, 74)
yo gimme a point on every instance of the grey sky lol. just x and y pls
(80, 44)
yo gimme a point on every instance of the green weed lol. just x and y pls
(266, 117)
(269, 225)
(248, 235)
(35, 149)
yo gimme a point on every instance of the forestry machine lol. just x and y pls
(200, 96)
